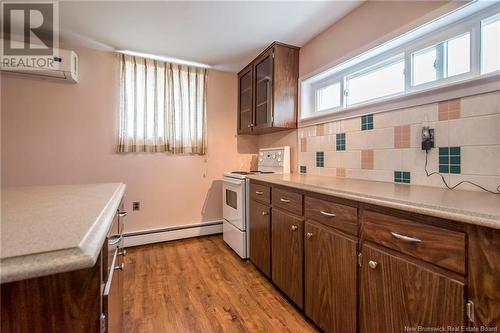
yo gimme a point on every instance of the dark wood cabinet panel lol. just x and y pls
(484, 276)
(396, 293)
(442, 247)
(260, 193)
(287, 238)
(339, 216)
(274, 91)
(330, 278)
(260, 236)
(289, 200)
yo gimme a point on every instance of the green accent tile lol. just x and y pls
(444, 151)
(406, 177)
(453, 160)
(303, 169)
(454, 150)
(398, 174)
(402, 177)
(320, 159)
(444, 168)
(340, 138)
(367, 122)
(444, 160)
(454, 168)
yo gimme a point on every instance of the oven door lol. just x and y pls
(233, 209)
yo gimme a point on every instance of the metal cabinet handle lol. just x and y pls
(265, 213)
(284, 200)
(405, 238)
(309, 234)
(294, 227)
(123, 253)
(122, 214)
(327, 214)
(115, 240)
(259, 192)
(372, 264)
(121, 267)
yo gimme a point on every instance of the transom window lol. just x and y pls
(459, 46)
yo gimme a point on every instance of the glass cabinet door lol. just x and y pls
(245, 106)
(263, 90)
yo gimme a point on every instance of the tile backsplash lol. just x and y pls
(386, 146)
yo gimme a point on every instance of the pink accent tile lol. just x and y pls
(303, 145)
(449, 109)
(402, 136)
(367, 159)
(320, 130)
(340, 172)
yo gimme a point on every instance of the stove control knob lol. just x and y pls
(279, 159)
(274, 155)
(260, 159)
(261, 153)
(279, 153)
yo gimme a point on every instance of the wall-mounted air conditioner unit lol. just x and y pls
(62, 66)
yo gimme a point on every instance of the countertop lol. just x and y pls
(471, 207)
(53, 229)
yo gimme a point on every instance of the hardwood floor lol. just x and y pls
(200, 285)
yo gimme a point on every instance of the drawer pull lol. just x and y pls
(405, 238)
(309, 234)
(284, 200)
(372, 264)
(121, 267)
(265, 213)
(328, 214)
(115, 240)
(294, 227)
(259, 192)
(122, 214)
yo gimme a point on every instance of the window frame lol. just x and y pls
(470, 24)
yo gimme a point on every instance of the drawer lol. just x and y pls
(339, 216)
(439, 246)
(260, 192)
(288, 200)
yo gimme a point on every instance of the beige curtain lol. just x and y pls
(162, 107)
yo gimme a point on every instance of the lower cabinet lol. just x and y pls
(260, 236)
(330, 278)
(287, 254)
(396, 295)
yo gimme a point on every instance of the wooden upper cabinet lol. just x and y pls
(396, 293)
(330, 284)
(268, 91)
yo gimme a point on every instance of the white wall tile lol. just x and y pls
(371, 139)
(333, 159)
(351, 159)
(387, 159)
(480, 105)
(350, 125)
(480, 160)
(484, 130)
(328, 142)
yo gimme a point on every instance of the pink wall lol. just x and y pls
(59, 133)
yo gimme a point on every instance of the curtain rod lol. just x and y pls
(163, 58)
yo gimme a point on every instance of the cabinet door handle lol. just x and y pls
(122, 214)
(122, 253)
(265, 213)
(259, 192)
(309, 234)
(372, 264)
(284, 200)
(405, 238)
(294, 227)
(115, 240)
(327, 214)
(121, 267)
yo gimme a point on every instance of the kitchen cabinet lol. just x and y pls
(287, 254)
(396, 293)
(268, 91)
(330, 278)
(260, 236)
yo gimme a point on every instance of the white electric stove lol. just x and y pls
(235, 196)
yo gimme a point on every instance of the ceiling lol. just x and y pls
(226, 35)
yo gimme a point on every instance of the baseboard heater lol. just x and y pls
(172, 233)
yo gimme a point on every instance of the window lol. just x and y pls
(384, 79)
(328, 97)
(440, 61)
(460, 46)
(162, 107)
(490, 52)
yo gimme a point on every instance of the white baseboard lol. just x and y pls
(172, 233)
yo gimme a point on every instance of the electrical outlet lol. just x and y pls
(427, 138)
(136, 205)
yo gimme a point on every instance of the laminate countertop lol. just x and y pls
(53, 229)
(471, 207)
